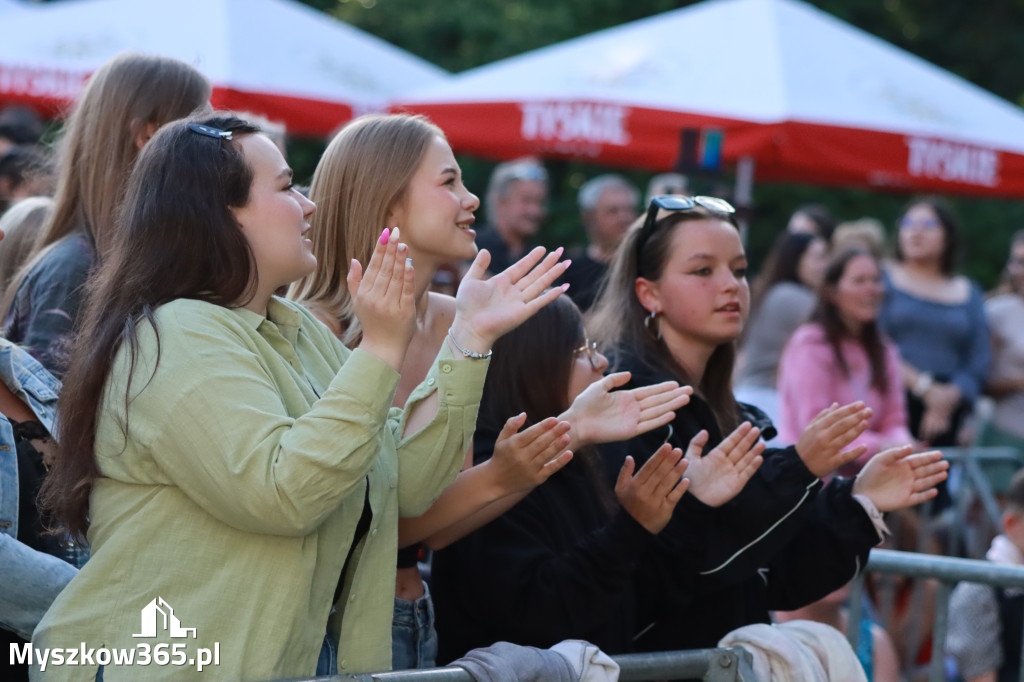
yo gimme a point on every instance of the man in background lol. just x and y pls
(516, 205)
(608, 206)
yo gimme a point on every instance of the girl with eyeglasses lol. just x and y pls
(937, 320)
(676, 300)
(399, 171)
(561, 563)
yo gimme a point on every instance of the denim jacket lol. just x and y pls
(31, 579)
(30, 381)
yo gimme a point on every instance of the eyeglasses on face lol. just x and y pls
(675, 203)
(926, 223)
(590, 348)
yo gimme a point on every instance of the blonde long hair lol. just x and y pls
(362, 175)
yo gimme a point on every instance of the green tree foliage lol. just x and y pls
(976, 41)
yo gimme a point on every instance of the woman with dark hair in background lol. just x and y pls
(125, 101)
(675, 303)
(226, 453)
(937, 320)
(814, 219)
(839, 356)
(781, 299)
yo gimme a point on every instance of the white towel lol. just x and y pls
(797, 651)
(590, 663)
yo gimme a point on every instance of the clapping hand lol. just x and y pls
(821, 444)
(896, 478)
(720, 475)
(602, 415)
(487, 308)
(652, 495)
(528, 458)
(383, 299)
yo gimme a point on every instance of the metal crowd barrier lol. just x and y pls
(709, 665)
(948, 571)
(733, 665)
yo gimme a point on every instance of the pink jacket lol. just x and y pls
(810, 380)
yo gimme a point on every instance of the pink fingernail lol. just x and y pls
(384, 236)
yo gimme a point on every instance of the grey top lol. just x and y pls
(950, 341)
(784, 308)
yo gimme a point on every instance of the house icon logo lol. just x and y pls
(159, 614)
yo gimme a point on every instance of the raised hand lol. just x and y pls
(486, 309)
(897, 479)
(383, 299)
(821, 444)
(651, 495)
(601, 415)
(525, 460)
(720, 475)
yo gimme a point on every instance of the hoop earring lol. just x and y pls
(652, 319)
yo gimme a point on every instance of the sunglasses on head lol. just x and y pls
(675, 203)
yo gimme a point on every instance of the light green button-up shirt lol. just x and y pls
(234, 499)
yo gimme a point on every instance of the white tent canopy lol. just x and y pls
(809, 97)
(278, 58)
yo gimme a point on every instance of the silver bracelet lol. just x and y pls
(468, 353)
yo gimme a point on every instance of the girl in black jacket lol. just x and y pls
(676, 300)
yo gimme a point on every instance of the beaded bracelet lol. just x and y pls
(468, 353)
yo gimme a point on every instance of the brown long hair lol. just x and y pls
(176, 238)
(826, 315)
(362, 175)
(617, 318)
(98, 147)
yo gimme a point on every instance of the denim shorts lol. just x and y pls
(413, 638)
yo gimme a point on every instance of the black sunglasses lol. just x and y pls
(675, 202)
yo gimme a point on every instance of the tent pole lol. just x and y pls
(743, 193)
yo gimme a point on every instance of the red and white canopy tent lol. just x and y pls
(804, 96)
(277, 58)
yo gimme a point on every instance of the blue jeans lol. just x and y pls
(413, 637)
(31, 581)
(327, 663)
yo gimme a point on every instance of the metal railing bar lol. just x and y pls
(950, 569)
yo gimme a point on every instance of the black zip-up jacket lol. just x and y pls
(783, 542)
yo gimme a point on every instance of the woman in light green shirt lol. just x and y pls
(238, 470)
